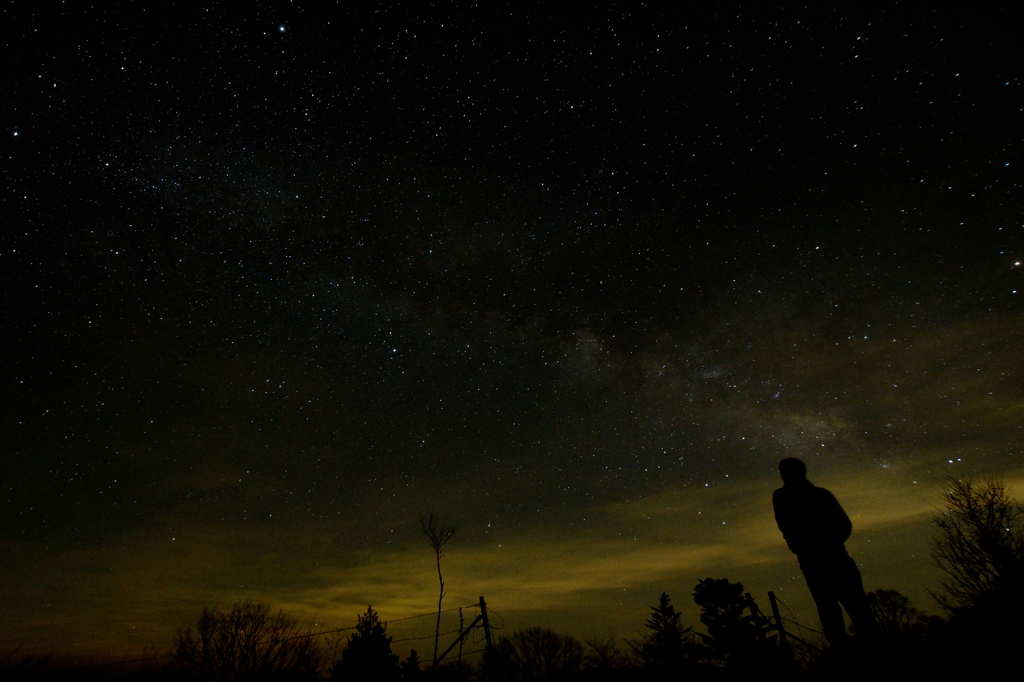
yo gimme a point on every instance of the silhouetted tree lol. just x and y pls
(410, 668)
(980, 548)
(452, 671)
(894, 613)
(979, 545)
(439, 536)
(533, 654)
(16, 666)
(368, 652)
(668, 646)
(603, 657)
(734, 638)
(247, 643)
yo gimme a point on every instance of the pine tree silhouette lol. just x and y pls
(733, 636)
(668, 645)
(368, 652)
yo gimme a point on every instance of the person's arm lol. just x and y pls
(839, 521)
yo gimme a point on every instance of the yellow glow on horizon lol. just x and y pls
(599, 578)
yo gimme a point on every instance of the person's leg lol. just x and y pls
(821, 583)
(850, 591)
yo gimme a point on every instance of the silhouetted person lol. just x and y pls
(816, 528)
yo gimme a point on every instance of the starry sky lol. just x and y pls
(280, 277)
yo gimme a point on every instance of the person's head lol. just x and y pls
(792, 470)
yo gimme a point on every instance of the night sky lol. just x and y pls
(278, 278)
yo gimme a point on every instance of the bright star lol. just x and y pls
(281, 28)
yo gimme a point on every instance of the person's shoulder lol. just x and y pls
(785, 497)
(823, 492)
(791, 489)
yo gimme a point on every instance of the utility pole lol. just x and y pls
(464, 631)
(778, 620)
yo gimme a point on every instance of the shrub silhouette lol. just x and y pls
(368, 653)
(247, 643)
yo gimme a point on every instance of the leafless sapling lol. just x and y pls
(438, 535)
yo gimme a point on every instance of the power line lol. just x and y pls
(129, 660)
(802, 627)
(286, 639)
(410, 639)
(432, 613)
(497, 627)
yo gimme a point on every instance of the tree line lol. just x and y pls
(978, 546)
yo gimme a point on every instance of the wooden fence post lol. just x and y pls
(778, 620)
(462, 633)
(486, 623)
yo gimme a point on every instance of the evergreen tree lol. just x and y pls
(668, 646)
(368, 652)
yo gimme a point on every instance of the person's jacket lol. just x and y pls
(811, 520)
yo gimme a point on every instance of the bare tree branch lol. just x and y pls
(980, 541)
(247, 642)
